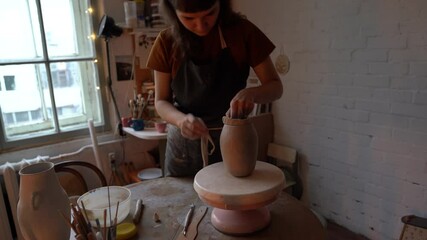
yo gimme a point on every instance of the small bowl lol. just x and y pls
(96, 200)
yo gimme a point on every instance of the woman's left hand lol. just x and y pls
(192, 127)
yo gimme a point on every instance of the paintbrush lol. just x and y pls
(68, 222)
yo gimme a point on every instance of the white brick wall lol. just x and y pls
(355, 105)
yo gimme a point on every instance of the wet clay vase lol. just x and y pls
(41, 201)
(239, 146)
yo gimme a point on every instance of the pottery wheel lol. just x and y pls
(239, 203)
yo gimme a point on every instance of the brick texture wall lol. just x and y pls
(354, 105)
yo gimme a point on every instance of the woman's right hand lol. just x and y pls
(192, 127)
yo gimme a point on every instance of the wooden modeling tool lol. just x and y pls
(138, 212)
(191, 233)
(188, 219)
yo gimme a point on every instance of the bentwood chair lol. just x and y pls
(79, 172)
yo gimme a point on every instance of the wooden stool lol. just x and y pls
(239, 203)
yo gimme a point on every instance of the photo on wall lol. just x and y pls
(124, 68)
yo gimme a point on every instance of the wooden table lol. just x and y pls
(152, 134)
(171, 197)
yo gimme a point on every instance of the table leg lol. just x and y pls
(162, 155)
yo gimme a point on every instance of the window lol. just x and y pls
(9, 82)
(49, 84)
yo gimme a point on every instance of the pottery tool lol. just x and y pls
(104, 235)
(80, 222)
(85, 215)
(117, 211)
(138, 212)
(192, 228)
(98, 224)
(113, 223)
(109, 211)
(187, 220)
(98, 230)
(156, 218)
(99, 236)
(80, 225)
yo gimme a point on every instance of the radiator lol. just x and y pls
(9, 197)
(9, 228)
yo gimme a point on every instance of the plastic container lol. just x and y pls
(130, 14)
(96, 200)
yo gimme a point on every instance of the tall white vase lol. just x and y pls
(41, 199)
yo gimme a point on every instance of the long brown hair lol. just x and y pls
(187, 41)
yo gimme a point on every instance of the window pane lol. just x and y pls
(20, 38)
(46, 97)
(77, 94)
(9, 83)
(62, 23)
(25, 108)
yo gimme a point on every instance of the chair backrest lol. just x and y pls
(76, 168)
(286, 158)
(264, 125)
(414, 228)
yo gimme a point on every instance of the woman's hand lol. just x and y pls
(271, 89)
(242, 104)
(192, 127)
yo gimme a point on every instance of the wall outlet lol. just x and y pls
(112, 156)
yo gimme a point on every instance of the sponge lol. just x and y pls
(125, 231)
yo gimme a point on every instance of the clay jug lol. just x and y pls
(239, 146)
(41, 199)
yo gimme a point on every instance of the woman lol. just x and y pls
(200, 65)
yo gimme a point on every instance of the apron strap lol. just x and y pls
(204, 146)
(223, 43)
(205, 140)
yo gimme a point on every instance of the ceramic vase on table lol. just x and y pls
(239, 146)
(41, 201)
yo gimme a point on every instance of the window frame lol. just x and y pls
(62, 136)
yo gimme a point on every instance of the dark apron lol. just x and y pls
(204, 91)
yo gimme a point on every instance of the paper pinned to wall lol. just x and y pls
(143, 43)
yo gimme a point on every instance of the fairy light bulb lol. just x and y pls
(92, 36)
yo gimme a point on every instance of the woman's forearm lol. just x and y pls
(168, 112)
(271, 85)
(268, 92)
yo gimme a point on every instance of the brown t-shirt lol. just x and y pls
(248, 46)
